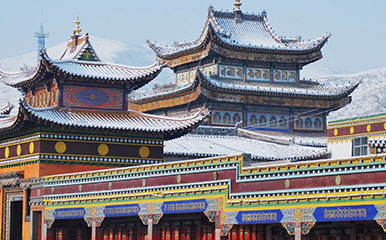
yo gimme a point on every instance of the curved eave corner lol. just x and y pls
(194, 122)
(13, 123)
(165, 95)
(21, 79)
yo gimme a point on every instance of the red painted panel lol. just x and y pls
(306, 182)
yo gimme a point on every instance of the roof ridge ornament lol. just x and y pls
(77, 30)
(237, 11)
(237, 5)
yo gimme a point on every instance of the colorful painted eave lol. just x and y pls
(253, 33)
(134, 121)
(344, 182)
(314, 90)
(372, 126)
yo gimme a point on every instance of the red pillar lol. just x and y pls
(105, 234)
(241, 232)
(188, 234)
(253, 232)
(162, 233)
(204, 233)
(168, 235)
(209, 235)
(234, 232)
(111, 234)
(99, 234)
(198, 231)
(59, 234)
(183, 233)
(131, 234)
(246, 233)
(124, 234)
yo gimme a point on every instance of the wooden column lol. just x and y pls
(253, 233)
(187, 234)
(198, 231)
(247, 233)
(204, 233)
(44, 230)
(150, 228)
(241, 232)
(168, 234)
(298, 231)
(93, 230)
(111, 234)
(234, 233)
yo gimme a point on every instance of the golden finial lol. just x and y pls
(77, 29)
(237, 5)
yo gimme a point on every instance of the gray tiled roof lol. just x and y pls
(84, 69)
(227, 143)
(125, 121)
(253, 32)
(106, 71)
(131, 120)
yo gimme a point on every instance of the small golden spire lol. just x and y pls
(77, 29)
(237, 5)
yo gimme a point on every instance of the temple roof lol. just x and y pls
(124, 121)
(89, 70)
(75, 51)
(306, 89)
(252, 33)
(208, 141)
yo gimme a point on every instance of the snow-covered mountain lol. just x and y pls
(367, 99)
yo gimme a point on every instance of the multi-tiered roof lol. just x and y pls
(80, 64)
(238, 59)
(238, 31)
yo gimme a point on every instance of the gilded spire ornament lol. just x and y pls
(77, 30)
(237, 5)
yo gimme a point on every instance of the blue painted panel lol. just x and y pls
(198, 205)
(263, 216)
(69, 213)
(345, 213)
(121, 210)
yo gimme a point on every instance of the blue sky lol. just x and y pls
(358, 27)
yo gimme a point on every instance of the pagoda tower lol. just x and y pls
(243, 71)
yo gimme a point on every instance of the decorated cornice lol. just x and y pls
(372, 126)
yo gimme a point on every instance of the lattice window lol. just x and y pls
(359, 146)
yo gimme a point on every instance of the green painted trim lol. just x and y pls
(357, 118)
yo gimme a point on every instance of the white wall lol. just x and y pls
(341, 149)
